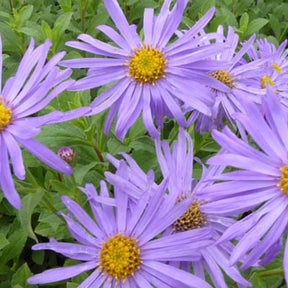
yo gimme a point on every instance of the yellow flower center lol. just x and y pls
(147, 65)
(5, 115)
(223, 76)
(284, 179)
(120, 257)
(265, 80)
(193, 218)
(277, 68)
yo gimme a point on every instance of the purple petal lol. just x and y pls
(58, 274)
(169, 271)
(46, 155)
(6, 180)
(15, 155)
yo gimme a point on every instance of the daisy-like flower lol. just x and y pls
(262, 180)
(122, 246)
(236, 78)
(275, 73)
(34, 85)
(177, 167)
(153, 78)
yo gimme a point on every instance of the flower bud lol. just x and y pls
(66, 153)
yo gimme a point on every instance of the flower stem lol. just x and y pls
(83, 16)
(11, 5)
(99, 154)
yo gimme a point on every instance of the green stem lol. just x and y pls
(83, 16)
(233, 6)
(273, 272)
(76, 189)
(99, 154)
(11, 5)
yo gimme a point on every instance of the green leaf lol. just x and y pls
(20, 277)
(46, 30)
(255, 25)
(29, 202)
(65, 5)
(61, 24)
(26, 12)
(80, 171)
(17, 242)
(115, 146)
(244, 20)
(3, 241)
(275, 25)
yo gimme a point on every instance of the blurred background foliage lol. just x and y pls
(64, 20)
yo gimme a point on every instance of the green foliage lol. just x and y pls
(64, 20)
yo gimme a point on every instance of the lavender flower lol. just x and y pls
(120, 244)
(262, 180)
(237, 79)
(34, 85)
(177, 167)
(275, 73)
(153, 78)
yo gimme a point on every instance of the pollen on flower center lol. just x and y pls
(265, 80)
(147, 65)
(193, 218)
(277, 67)
(284, 180)
(223, 76)
(120, 257)
(5, 115)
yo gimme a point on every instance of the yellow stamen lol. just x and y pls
(265, 80)
(223, 76)
(120, 257)
(5, 115)
(147, 65)
(193, 218)
(277, 68)
(284, 179)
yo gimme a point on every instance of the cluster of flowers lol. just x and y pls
(168, 234)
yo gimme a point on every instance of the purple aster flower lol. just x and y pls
(261, 180)
(34, 85)
(153, 78)
(122, 246)
(236, 78)
(177, 167)
(275, 73)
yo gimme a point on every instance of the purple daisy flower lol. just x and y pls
(34, 85)
(275, 73)
(236, 78)
(123, 246)
(262, 180)
(177, 167)
(153, 78)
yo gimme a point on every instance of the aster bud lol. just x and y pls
(66, 153)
